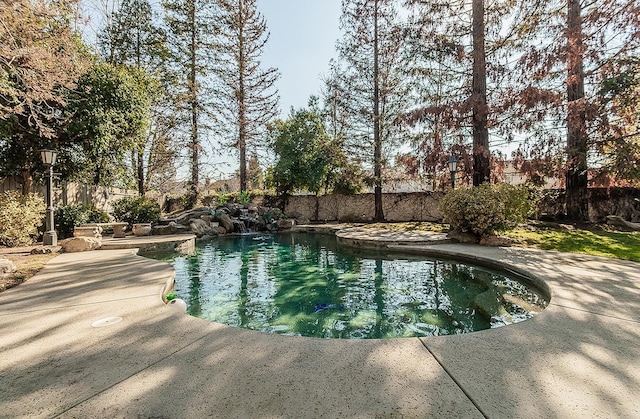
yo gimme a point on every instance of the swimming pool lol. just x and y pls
(303, 284)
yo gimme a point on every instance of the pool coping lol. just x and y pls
(579, 357)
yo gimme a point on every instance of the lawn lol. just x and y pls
(615, 244)
(599, 240)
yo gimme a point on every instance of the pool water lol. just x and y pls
(306, 285)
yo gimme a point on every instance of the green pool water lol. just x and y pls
(306, 285)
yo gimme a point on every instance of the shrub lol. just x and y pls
(20, 217)
(487, 208)
(69, 216)
(136, 209)
(176, 203)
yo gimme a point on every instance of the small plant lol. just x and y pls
(223, 198)
(244, 197)
(487, 208)
(69, 216)
(136, 209)
(20, 217)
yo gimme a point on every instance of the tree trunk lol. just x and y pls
(377, 140)
(195, 145)
(481, 155)
(576, 196)
(27, 182)
(140, 172)
(242, 116)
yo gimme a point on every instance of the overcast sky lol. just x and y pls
(303, 38)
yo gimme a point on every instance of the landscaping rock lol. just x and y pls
(495, 241)
(201, 228)
(285, 224)
(225, 221)
(6, 266)
(43, 250)
(621, 222)
(171, 228)
(80, 244)
(299, 217)
(185, 216)
(463, 237)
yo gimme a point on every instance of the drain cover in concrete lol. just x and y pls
(107, 321)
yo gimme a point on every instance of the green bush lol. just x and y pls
(20, 217)
(136, 209)
(69, 216)
(176, 203)
(486, 209)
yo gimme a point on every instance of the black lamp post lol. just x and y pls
(50, 238)
(453, 166)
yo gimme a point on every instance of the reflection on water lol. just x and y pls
(304, 284)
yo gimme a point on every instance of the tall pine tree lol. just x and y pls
(247, 94)
(193, 51)
(571, 47)
(132, 37)
(371, 52)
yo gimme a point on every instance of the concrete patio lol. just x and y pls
(578, 358)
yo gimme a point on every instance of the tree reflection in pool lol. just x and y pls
(306, 285)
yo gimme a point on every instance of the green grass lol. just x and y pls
(598, 240)
(615, 244)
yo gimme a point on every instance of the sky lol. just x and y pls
(302, 41)
(303, 35)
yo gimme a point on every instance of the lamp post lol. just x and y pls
(50, 237)
(453, 166)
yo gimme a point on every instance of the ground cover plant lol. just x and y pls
(596, 240)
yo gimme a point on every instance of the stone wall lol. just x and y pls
(602, 202)
(418, 206)
(423, 206)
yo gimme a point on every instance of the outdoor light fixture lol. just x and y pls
(50, 238)
(453, 167)
(48, 157)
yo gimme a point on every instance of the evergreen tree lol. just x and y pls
(248, 97)
(458, 56)
(572, 48)
(133, 38)
(371, 49)
(193, 49)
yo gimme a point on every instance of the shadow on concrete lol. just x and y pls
(579, 358)
(159, 363)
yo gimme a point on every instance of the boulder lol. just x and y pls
(43, 250)
(6, 266)
(619, 221)
(219, 230)
(171, 228)
(259, 224)
(80, 244)
(185, 216)
(201, 228)
(225, 221)
(285, 224)
(495, 241)
(463, 236)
